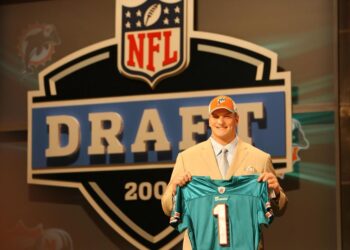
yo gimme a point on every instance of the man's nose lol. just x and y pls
(221, 119)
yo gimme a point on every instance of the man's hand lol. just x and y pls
(271, 180)
(181, 181)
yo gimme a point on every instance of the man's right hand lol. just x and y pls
(181, 181)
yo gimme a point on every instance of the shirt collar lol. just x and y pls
(217, 146)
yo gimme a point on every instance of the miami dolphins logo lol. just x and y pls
(22, 237)
(37, 46)
(300, 142)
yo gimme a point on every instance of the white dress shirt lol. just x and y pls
(231, 147)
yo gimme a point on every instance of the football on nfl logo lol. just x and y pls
(110, 119)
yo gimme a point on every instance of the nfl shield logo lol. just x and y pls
(152, 38)
(221, 190)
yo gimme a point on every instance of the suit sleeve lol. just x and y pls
(167, 199)
(278, 204)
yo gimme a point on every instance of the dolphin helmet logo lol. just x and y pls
(37, 45)
(299, 139)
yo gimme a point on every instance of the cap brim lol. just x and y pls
(232, 111)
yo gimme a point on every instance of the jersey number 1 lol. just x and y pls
(220, 211)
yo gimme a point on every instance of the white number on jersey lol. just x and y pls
(220, 211)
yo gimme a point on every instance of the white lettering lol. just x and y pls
(56, 126)
(189, 128)
(150, 129)
(256, 108)
(99, 133)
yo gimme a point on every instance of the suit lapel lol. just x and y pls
(209, 155)
(240, 155)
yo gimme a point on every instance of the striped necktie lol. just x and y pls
(223, 163)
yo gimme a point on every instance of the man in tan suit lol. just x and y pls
(243, 159)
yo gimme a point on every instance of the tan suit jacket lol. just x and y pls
(200, 160)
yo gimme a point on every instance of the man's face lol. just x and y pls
(223, 125)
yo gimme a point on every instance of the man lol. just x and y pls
(203, 158)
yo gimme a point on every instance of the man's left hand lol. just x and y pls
(271, 180)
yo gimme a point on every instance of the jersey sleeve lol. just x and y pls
(265, 212)
(179, 218)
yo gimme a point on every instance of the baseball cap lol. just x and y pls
(222, 102)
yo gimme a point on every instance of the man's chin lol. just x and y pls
(221, 135)
(221, 130)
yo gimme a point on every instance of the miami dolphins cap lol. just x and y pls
(222, 102)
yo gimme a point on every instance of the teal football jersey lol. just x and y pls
(222, 214)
